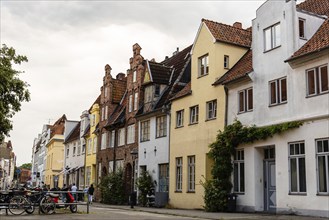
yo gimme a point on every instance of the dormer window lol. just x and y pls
(272, 36)
(301, 23)
(134, 75)
(203, 65)
(157, 90)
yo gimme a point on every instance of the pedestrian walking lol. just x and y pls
(91, 193)
(74, 191)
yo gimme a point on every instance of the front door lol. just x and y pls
(269, 186)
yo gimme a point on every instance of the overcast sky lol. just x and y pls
(68, 44)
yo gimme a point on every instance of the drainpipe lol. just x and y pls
(226, 105)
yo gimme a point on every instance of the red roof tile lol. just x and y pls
(119, 88)
(58, 127)
(239, 70)
(320, 7)
(318, 42)
(184, 92)
(229, 34)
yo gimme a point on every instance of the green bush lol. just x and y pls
(145, 185)
(112, 188)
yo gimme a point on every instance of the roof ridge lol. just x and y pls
(247, 29)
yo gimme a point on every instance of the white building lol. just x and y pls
(284, 78)
(7, 165)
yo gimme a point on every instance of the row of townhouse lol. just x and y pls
(162, 116)
(7, 165)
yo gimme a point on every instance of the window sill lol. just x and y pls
(322, 194)
(239, 193)
(273, 105)
(297, 194)
(179, 126)
(210, 119)
(190, 191)
(266, 51)
(145, 141)
(195, 123)
(160, 137)
(177, 191)
(303, 38)
(314, 95)
(239, 113)
(200, 76)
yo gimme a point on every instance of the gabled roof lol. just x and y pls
(118, 115)
(97, 101)
(318, 42)
(320, 7)
(74, 135)
(239, 70)
(160, 73)
(184, 92)
(119, 88)
(58, 127)
(229, 34)
(87, 131)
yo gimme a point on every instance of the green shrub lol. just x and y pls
(145, 185)
(112, 188)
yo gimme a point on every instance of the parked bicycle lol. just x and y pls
(14, 201)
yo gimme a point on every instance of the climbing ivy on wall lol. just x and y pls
(217, 189)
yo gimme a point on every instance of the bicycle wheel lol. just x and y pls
(18, 205)
(47, 205)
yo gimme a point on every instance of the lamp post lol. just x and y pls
(134, 156)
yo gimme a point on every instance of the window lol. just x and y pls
(191, 173)
(89, 146)
(145, 130)
(148, 94)
(92, 120)
(203, 65)
(180, 118)
(131, 134)
(67, 152)
(136, 101)
(317, 80)
(79, 149)
(130, 103)
(105, 92)
(94, 144)
(161, 126)
(74, 151)
(163, 177)
(301, 23)
(134, 75)
(269, 153)
(179, 173)
(297, 167)
(103, 144)
(278, 91)
(112, 138)
(194, 114)
(226, 61)
(121, 139)
(238, 171)
(322, 157)
(156, 90)
(88, 177)
(272, 37)
(106, 112)
(103, 114)
(211, 109)
(245, 100)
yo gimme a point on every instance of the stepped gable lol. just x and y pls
(229, 34)
(74, 135)
(184, 92)
(58, 127)
(320, 7)
(239, 70)
(318, 42)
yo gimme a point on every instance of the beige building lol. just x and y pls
(198, 111)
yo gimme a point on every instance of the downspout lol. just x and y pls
(226, 105)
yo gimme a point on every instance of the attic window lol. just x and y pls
(157, 90)
(226, 61)
(203, 65)
(301, 23)
(134, 76)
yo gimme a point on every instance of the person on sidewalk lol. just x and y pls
(74, 191)
(90, 194)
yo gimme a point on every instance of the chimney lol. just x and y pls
(175, 52)
(237, 25)
(120, 76)
(166, 57)
(152, 60)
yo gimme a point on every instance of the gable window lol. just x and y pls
(130, 103)
(179, 118)
(103, 114)
(105, 92)
(226, 61)
(238, 170)
(106, 112)
(79, 149)
(297, 167)
(272, 37)
(67, 152)
(211, 109)
(94, 144)
(103, 144)
(191, 173)
(301, 23)
(245, 100)
(74, 150)
(278, 91)
(179, 173)
(112, 138)
(131, 134)
(317, 80)
(134, 75)
(156, 90)
(194, 114)
(145, 130)
(203, 65)
(121, 137)
(136, 101)
(161, 126)
(322, 157)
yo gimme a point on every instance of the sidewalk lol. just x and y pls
(200, 214)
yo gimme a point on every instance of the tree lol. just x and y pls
(13, 91)
(145, 185)
(26, 166)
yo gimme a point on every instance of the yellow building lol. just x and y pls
(55, 154)
(91, 144)
(198, 111)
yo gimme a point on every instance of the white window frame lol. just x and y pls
(274, 37)
(325, 154)
(112, 138)
(145, 131)
(226, 61)
(304, 28)
(180, 118)
(203, 65)
(121, 136)
(130, 103)
(105, 91)
(103, 144)
(134, 76)
(296, 153)
(179, 174)
(191, 173)
(131, 134)
(246, 100)
(318, 90)
(238, 169)
(194, 114)
(106, 112)
(103, 113)
(67, 152)
(161, 126)
(89, 146)
(136, 101)
(211, 109)
(94, 145)
(278, 91)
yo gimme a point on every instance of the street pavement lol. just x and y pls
(101, 212)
